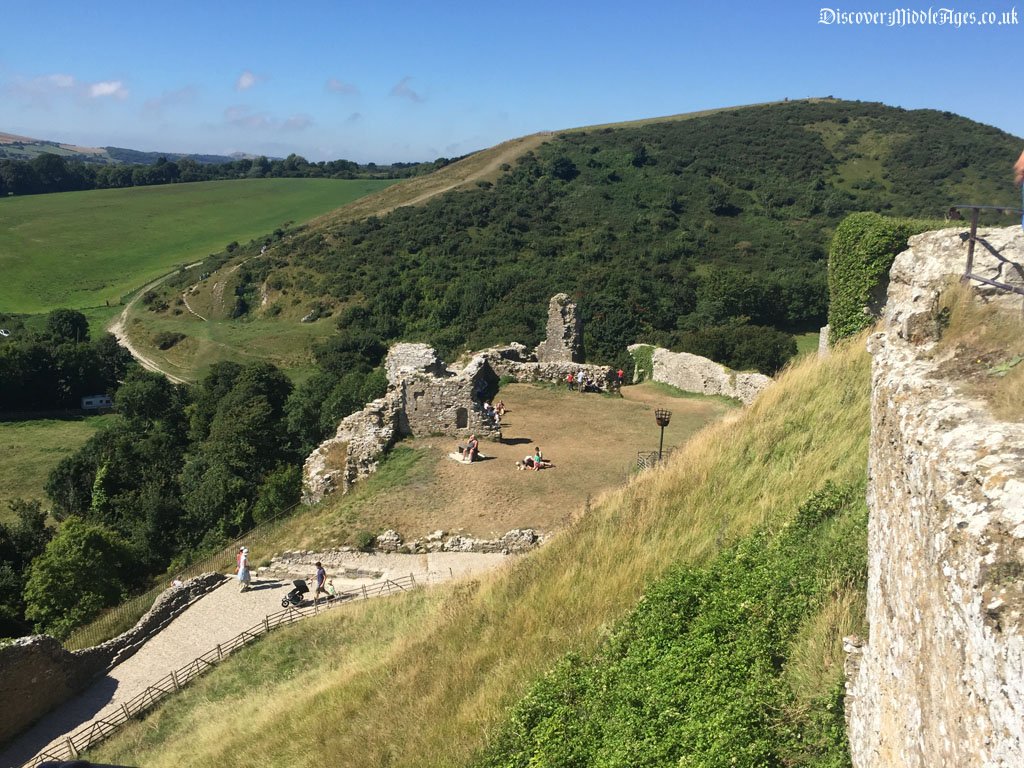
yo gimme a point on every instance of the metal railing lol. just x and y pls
(650, 459)
(971, 238)
(88, 736)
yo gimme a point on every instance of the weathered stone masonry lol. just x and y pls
(940, 681)
(37, 674)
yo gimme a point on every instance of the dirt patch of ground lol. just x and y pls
(592, 439)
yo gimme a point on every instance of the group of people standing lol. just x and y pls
(584, 382)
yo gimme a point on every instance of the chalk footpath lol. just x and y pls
(216, 618)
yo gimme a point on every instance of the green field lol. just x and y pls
(88, 249)
(287, 345)
(30, 449)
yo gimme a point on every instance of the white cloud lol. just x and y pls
(334, 85)
(167, 99)
(113, 88)
(247, 80)
(59, 81)
(403, 91)
(297, 123)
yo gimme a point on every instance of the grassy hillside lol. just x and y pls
(83, 249)
(657, 228)
(429, 679)
(30, 449)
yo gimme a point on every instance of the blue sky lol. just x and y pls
(401, 81)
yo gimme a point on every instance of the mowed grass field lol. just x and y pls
(30, 449)
(89, 249)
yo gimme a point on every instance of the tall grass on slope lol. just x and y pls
(699, 673)
(436, 692)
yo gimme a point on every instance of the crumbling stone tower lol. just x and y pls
(564, 342)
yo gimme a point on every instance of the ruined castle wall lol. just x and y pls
(940, 680)
(354, 452)
(693, 373)
(563, 341)
(448, 406)
(37, 674)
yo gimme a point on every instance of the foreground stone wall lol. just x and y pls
(940, 681)
(37, 674)
(693, 373)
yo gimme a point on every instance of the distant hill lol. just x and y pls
(135, 157)
(14, 147)
(658, 229)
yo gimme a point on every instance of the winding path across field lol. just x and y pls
(213, 619)
(119, 327)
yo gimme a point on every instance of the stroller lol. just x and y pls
(296, 595)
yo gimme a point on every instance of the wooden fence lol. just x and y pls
(98, 730)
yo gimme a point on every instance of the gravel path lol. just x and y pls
(215, 618)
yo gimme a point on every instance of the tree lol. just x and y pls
(83, 569)
(146, 396)
(19, 544)
(67, 325)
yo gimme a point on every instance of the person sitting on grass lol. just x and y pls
(539, 462)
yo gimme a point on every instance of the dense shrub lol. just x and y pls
(83, 569)
(863, 248)
(740, 347)
(696, 676)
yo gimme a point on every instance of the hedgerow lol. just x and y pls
(862, 251)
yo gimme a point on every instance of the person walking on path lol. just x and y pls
(321, 582)
(244, 577)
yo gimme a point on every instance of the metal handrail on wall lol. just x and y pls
(89, 736)
(971, 238)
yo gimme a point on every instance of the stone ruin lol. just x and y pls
(426, 397)
(564, 342)
(693, 373)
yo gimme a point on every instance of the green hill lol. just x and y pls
(658, 228)
(474, 671)
(82, 249)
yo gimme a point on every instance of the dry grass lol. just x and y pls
(484, 165)
(593, 441)
(818, 648)
(430, 689)
(983, 343)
